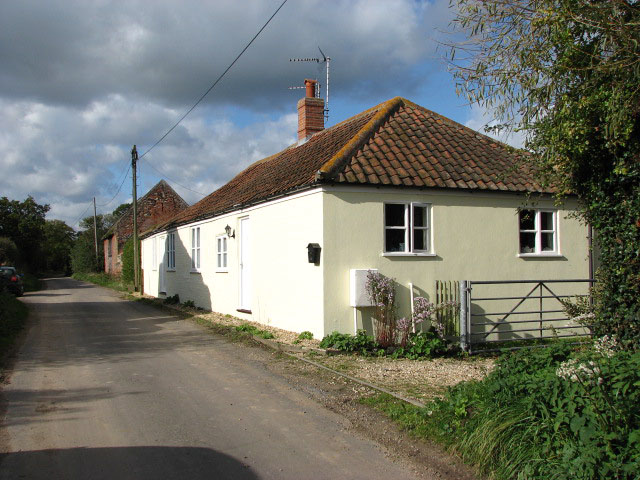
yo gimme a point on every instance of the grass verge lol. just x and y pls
(104, 280)
(13, 314)
(560, 412)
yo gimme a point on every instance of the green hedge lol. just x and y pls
(13, 314)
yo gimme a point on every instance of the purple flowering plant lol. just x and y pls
(391, 330)
(382, 293)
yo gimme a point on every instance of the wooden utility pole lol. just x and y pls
(136, 262)
(95, 230)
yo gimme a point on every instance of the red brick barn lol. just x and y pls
(159, 205)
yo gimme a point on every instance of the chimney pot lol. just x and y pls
(310, 87)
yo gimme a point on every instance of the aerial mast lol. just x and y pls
(326, 60)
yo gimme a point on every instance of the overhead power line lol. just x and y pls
(119, 188)
(216, 82)
(171, 180)
(202, 97)
(82, 215)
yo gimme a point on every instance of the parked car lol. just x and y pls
(12, 280)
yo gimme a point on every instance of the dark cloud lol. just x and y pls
(81, 81)
(71, 53)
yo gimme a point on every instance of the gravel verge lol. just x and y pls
(421, 380)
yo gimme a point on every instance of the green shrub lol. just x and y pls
(548, 413)
(127, 261)
(306, 335)
(344, 342)
(253, 330)
(13, 314)
(189, 304)
(172, 300)
(102, 279)
(83, 256)
(421, 345)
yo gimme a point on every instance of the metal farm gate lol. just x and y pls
(517, 310)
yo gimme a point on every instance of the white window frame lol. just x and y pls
(195, 249)
(222, 254)
(538, 231)
(409, 228)
(171, 252)
(154, 253)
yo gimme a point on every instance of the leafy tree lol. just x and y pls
(23, 223)
(83, 253)
(114, 216)
(83, 256)
(566, 73)
(58, 242)
(8, 251)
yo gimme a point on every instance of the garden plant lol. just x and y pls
(555, 412)
(421, 336)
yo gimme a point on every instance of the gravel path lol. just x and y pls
(421, 380)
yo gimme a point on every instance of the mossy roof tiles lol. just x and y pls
(395, 143)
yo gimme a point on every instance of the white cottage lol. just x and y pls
(397, 188)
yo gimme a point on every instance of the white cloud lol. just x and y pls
(84, 80)
(64, 156)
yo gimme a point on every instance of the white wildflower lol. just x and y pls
(573, 370)
(606, 346)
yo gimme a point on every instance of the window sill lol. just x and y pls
(243, 310)
(222, 271)
(197, 272)
(408, 254)
(539, 255)
(171, 270)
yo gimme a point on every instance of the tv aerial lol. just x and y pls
(326, 61)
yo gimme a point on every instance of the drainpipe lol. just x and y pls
(590, 240)
(413, 322)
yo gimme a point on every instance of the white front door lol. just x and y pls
(162, 267)
(245, 264)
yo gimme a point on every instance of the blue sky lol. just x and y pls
(82, 81)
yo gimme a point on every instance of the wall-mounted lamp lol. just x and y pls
(229, 233)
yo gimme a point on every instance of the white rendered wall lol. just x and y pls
(287, 291)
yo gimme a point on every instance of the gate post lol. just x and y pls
(464, 315)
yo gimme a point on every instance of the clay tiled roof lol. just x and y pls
(396, 143)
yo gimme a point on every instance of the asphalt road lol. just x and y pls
(105, 388)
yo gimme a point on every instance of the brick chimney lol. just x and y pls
(310, 112)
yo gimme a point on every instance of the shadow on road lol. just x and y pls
(138, 463)
(31, 406)
(42, 294)
(80, 333)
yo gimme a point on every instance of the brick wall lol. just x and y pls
(159, 205)
(112, 263)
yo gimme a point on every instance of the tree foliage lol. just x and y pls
(113, 217)
(83, 254)
(58, 242)
(567, 74)
(23, 223)
(8, 251)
